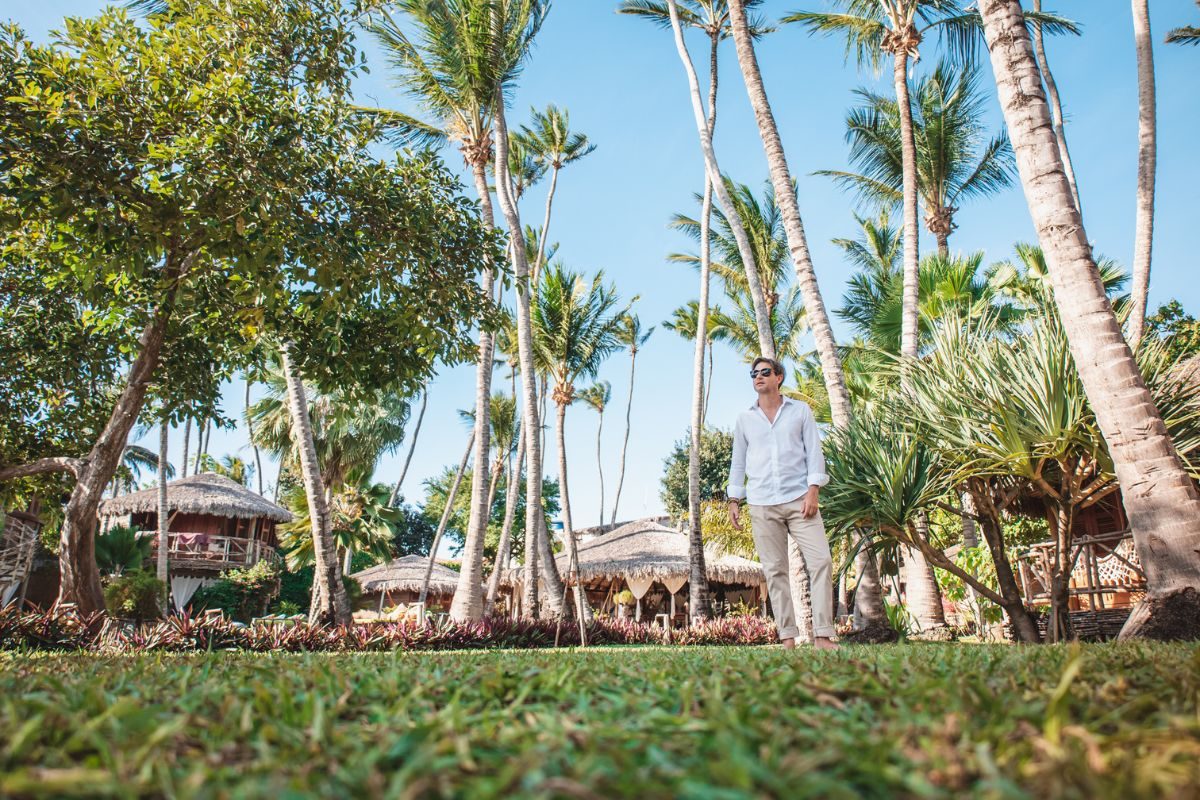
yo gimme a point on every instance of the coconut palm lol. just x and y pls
(955, 162)
(1164, 512)
(229, 466)
(576, 326)
(685, 321)
(1188, 34)
(164, 513)
(633, 338)
(258, 470)
(552, 145)
(361, 522)
(1025, 282)
(1143, 226)
(412, 447)
(467, 54)
(1056, 108)
(597, 397)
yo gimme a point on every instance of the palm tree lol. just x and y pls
(1164, 512)
(1056, 109)
(597, 397)
(258, 470)
(1143, 229)
(576, 327)
(552, 145)
(163, 511)
(121, 548)
(685, 321)
(1189, 34)
(135, 459)
(187, 434)
(633, 338)
(445, 518)
(469, 53)
(954, 160)
(718, 187)
(412, 447)
(361, 521)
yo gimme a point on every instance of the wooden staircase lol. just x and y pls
(18, 541)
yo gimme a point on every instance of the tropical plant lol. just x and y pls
(1143, 225)
(597, 397)
(632, 337)
(466, 57)
(360, 522)
(576, 327)
(230, 466)
(122, 548)
(716, 450)
(136, 595)
(955, 162)
(1188, 34)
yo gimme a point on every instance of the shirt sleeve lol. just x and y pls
(737, 466)
(817, 476)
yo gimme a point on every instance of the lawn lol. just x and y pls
(724, 722)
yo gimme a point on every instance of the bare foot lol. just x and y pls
(824, 643)
(788, 644)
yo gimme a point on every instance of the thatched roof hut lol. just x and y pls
(206, 494)
(406, 575)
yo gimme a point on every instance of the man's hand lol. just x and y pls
(735, 515)
(808, 505)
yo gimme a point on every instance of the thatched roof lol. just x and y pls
(405, 575)
(646, 549)
(206, 493)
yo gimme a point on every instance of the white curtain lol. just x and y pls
(183, 588)
(639, 587)
(674, 584)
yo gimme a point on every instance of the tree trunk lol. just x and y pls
(445, 518)
(549, 571)
(762, 315)
(625, 445)
(467, 605)
(583, 612)
(912, 231)
(534, 514)
(163, 511)
(600, 465)
(1024, 626)
(785, 195)
(1162, 502)
(504, 548)
(924, 594)
(80, 579)
(333, 605)
(943, 243)
(801, 592)
(1147, 153)
(412, 447)
(1056, 111)
(258, 470)
(545, 237)
(870, 616)
(187, 434)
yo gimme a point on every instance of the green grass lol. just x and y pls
(908, 720)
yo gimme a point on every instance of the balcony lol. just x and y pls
(211, 552)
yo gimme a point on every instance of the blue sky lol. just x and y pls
(624, 86)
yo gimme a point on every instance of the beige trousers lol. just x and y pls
(772, 525)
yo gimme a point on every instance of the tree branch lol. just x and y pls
(42, 466)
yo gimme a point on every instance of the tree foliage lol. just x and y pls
(716, 450)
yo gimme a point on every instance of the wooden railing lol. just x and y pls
(1101, 565)
(207, 550)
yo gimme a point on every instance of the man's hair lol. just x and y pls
(772, 363)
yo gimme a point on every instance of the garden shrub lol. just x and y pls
(241, 593)
(136, 595)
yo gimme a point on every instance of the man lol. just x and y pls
(778, 468)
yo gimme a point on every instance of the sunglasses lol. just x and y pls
(766, 372)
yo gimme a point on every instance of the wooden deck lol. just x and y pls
(212, 552)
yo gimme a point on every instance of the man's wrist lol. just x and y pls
(734, 500)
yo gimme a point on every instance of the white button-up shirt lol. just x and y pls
(776, 462)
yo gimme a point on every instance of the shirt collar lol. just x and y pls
(786, 401)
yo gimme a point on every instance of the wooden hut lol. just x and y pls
(214, 524)
(399, 582)
(652, 562)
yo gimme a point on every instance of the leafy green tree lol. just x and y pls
(716, 450)
(121, 549)
(1178, 330)
(290, 224)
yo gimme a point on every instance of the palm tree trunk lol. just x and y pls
(529, 402)
(451, 496)
(625, 444)
(762, 315)
(163, 511)
(1160, 498)
(785, 194)
(1147, 154)
(549, 571)
(583, 612)
(600, 465)
(258, 470)
(333, 604)
(801, 591)
(912, 231)
(510, 512)
(412, 447)
(924, 594)
(869, 612)
(468, 596)
(708, 384)
(187, 434)
(545, 237)
(1056, 110)
(1024, 627)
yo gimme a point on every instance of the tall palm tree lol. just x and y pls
(187, 434)
(163, 510)
(1188, 34)
(1164, 511)
(412, 447)
(468, 54)
(955, 161)
(685, 321)
(1143, 229)
(1056, 109)
(633, 338)
(258, 470)
(597, 397)
(445, 518)
(552, 145)
(576, 326)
